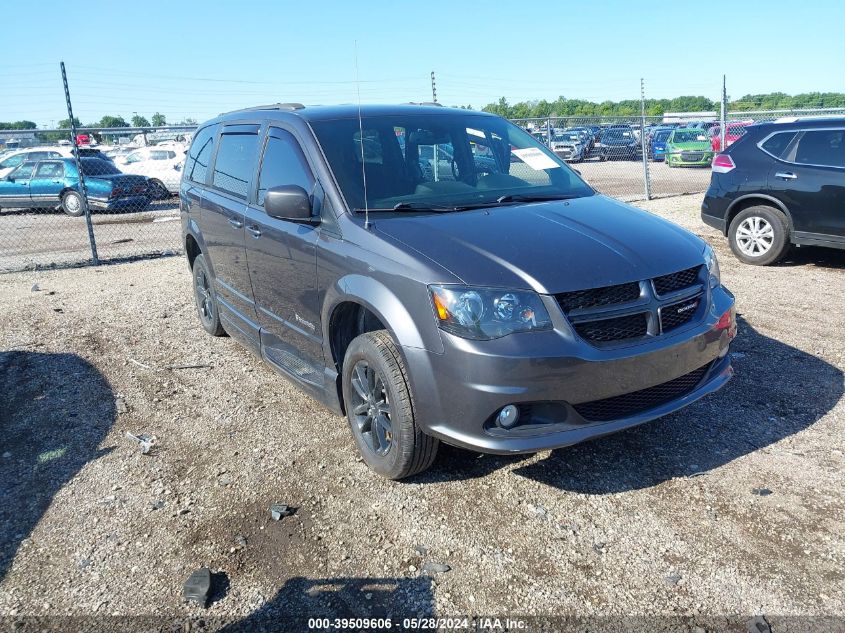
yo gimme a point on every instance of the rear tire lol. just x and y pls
(380, 409)
(759, 235)
(72, 204)
(206, 298)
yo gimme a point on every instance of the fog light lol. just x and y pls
(508, 417)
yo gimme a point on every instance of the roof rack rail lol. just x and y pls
(271, 106)
(425, 103)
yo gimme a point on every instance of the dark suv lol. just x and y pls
(780, 183)
(498, 304)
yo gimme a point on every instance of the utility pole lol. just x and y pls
(723, 115)
(83, 190)
(433, 89)
(646, 180)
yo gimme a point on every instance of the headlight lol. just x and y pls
(482, 314)
(712, 266)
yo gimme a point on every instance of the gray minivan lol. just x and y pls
(495, 302)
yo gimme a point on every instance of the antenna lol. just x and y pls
(361, 138)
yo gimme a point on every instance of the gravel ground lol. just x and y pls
(733, 507)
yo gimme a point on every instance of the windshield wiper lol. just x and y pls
(533, 198)
(410, 206)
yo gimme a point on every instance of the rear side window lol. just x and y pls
(50, 170)
(199, 156)
(776, 144)
(235, 162)
(284, 164)
(821, 147)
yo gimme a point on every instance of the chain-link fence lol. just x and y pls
(127, 192)
(679, 148)
(128, 206)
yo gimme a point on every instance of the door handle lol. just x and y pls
(236, 224)
(254, 231)
(786, 175)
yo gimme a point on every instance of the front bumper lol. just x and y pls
(460, 391)
(568, 153)
(682, 159)
(619, 151)
(126, 203)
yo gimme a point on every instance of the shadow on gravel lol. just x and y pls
(814, 256)
(57, 409)
(777, 391)
(301, 599)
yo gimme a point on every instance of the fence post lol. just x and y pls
(646, 179)
(549, 131)
(83, 190)
(723, 118)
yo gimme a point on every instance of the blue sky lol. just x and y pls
(199, 58)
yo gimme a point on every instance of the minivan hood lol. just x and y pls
(549, 247)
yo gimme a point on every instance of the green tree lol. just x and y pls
(140, 121)
(65, 123)
(18, 125)
(158, 120)
(112, 121)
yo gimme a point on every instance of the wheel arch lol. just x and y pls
(754, 199)
(195, 245)
(357, 304)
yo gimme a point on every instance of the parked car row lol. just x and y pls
(53, 182)
(38, 177)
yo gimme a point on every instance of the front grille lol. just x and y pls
(638, 401)
(678, 314)
(676, 281)
(691, 157)
(597, 297)
(616, 329)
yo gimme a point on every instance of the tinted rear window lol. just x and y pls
(777, 143)
(199, 156)
(235, 163)
(821, 147)
(97, 167)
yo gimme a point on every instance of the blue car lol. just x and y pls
(54, 183)
(657, 145)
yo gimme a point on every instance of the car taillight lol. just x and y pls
(723, 163)
(116, 192)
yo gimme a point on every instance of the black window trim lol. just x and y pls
(793, 144)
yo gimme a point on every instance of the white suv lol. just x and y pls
(14, 158)
(162, 165)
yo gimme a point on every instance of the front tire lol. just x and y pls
(759, 235)
(380, 409)
(206, 298)
(72, 204)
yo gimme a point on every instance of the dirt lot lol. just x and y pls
(732, 507)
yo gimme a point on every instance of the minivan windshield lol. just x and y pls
(445, 161)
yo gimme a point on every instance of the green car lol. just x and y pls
(688, 147)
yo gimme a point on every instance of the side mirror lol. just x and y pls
(287, 202)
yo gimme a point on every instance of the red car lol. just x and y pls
(83, 139)
(732, 133)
